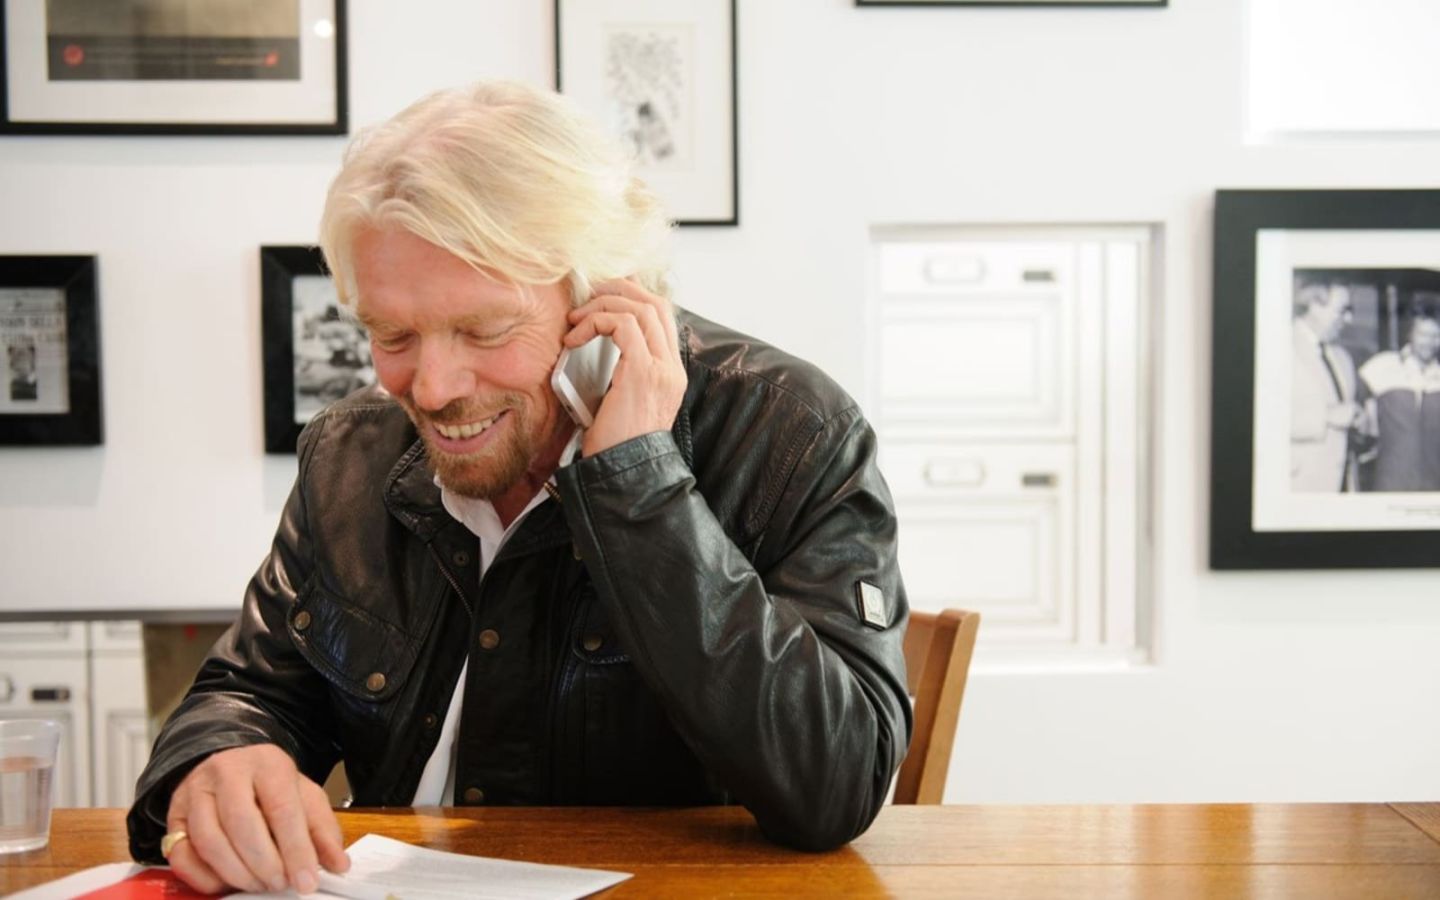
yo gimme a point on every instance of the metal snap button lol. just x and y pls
(489, 639)
(429, 721)
(302, 620)
(474, 795)
(375, 683)
(460, 558)
(592, 642)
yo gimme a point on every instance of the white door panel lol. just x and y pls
(121, 737)
(973, 365)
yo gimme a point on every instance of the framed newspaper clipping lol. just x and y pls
(50, 340)
(1325, 410)
(661, 76)
(315, 352)
(172, 67)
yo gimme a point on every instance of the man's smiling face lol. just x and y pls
(469, 357)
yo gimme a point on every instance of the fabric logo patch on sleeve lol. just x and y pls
(872, 604)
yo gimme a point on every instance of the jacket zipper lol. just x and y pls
(557, 688)
(451, 578)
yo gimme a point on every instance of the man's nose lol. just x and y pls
(440, 377)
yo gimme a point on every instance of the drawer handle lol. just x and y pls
(954, 270)
(1038, 479)
(49, 695)
(955, 472)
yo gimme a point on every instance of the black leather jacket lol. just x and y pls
(683, 627)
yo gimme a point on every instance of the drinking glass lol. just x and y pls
(27, 762)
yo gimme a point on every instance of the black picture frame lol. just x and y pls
(204, 98)
(1242, 219)
(297, 383)
(1001, 3)
(719, 207)
(80, 421)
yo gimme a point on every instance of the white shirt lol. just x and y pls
(437, 781)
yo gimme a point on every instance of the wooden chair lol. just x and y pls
(937, 657)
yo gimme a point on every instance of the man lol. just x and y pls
(1403, 391)
(1323, 405)
(693, 601)
(24, 382)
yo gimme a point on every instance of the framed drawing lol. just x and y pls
(315, 352)
(172, 67)
(1325, 413)
(661, 76)
(1011, 2)
(50, 338)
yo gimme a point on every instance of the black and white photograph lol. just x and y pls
(332, 351)
(50, 350)
(174, 67)
(1365, 381)
(661, 76)
(315, 351)
(1326, 407)
(32, 331)
(648, 72)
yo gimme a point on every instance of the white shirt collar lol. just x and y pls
(480, 516)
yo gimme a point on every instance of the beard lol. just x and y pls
(493, 470)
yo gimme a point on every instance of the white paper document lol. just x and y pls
(382, 868)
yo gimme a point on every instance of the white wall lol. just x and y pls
(1293, 686)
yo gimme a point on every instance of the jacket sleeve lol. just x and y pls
(768, 669)
(253, 688)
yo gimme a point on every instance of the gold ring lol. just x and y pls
(168, 842)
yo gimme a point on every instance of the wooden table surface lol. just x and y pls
(1320, 850)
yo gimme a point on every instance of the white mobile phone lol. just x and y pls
(582, 376)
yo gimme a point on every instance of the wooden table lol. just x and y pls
(1322, 850)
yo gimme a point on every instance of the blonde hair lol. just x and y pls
(503, 176)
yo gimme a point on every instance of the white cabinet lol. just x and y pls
(120, 735)
(1007, 373)
(54, 686)
(90, 678)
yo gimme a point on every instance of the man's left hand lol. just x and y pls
(649, 380)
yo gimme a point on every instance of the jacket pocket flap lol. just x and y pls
(355, 651)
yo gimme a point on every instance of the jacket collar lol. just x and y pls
(412, 496)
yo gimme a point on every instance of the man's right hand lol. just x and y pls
(253, 822)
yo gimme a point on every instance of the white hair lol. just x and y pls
(506, 177)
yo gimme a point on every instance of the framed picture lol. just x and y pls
(50, 338)
(1325, 416)
(661, 76)
(1011, 2)
(172, 67)
(315, 352)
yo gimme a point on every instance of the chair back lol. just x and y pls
(937, 661)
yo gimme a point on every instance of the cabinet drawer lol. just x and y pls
(968, 471)
(974, 266)
(30, 638)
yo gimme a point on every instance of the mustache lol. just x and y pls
(458, 411)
